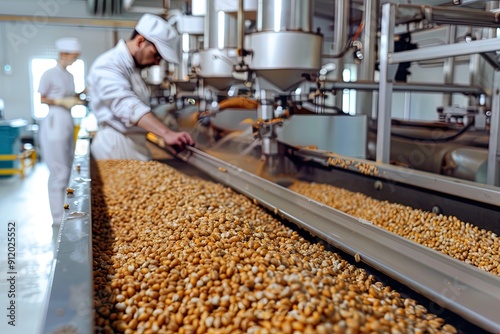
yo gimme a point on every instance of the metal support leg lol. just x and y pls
(492, 176)
(385, 85)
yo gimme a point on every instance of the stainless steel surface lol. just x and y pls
(364, 100)
(188, 24)
(409, 87)
(449, 64)
(220, 28)
(70, 303)
(265, 111)
(241, 25)
(211, 29)
(216, 67)
(445, 15)
(282, 58)
(466, 290)
(341, 28)
(493, 173)
(385, 84)
(465, 189)
(444, 51)
(388, 57)
(269, 146)
(460, 16)
(290, 15)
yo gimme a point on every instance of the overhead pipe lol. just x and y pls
(127, 4)
(449, 64)
(241, 28)
(281, 15)
(446, 15)
(340, 43)
(364, 103)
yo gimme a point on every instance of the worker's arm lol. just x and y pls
(48, 101)
(152, 124)
(66, 102)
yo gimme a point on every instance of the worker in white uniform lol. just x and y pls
(120, 98)
(57, 90)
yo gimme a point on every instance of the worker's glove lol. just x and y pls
(68, 102)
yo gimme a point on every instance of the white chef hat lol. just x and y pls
(161, 34)
(68, 45)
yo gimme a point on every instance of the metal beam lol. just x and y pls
(408, 87)
(445, 51)
(493, 172)
(385, 85)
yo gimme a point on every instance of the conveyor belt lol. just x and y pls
(469, 201)
(70, 304)
(461, 288)
(449, 283)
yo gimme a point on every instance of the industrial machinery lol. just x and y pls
(302, 122)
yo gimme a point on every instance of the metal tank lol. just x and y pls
(191, 30)
(284, 47)
(219, 54)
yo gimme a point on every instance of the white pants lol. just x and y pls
(109, 143)
(57, 145)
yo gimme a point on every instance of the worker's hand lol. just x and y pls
(180, 139)
(68, 102)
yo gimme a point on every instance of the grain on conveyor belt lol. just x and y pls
(446, 234)
(175, 254)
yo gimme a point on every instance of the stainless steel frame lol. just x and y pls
(407, 87)
(70, 304)
(465, 189)
(388, 58)
(493, 172)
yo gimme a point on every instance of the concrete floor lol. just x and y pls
(25, 202)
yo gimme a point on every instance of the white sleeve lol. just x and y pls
(111, 88)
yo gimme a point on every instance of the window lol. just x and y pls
(349, 95)
(38, 67)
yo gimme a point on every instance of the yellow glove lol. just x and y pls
(68, 102)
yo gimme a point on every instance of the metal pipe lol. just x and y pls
(444, 51)
(166, 6)
(493, 172)
(364, 103)
(285, 15)
(210, 36)
(116, 37)
(459, 16)
(341, 19)
(407, 87)
(241, 27)
(449, 64)
(385, 84)
(446, 15)
(491, 6)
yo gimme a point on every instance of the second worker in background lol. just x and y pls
(120, 97)
(57, 90)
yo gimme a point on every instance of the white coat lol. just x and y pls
(57, 137)
(119, 98)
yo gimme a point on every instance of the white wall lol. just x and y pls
(20, 43)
